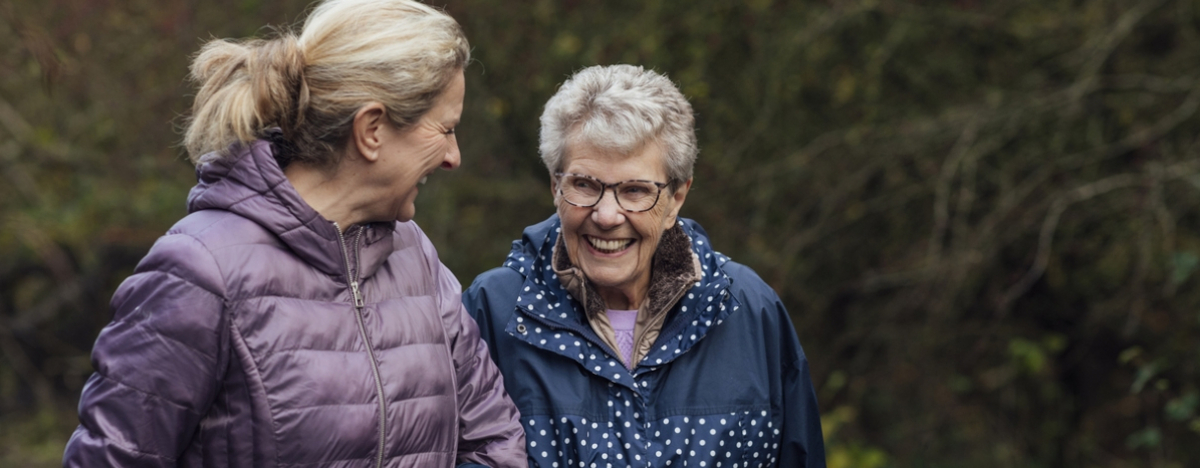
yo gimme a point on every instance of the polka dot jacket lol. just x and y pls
(726, 384)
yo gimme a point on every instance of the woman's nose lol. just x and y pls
(453, 157)
(607, 213)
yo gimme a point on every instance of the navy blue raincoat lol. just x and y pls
(726, 384)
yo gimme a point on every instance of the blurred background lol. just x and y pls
(984, 216)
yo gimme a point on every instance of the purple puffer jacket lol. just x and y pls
(254, 335)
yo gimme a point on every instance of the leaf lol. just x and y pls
(1149, 437)
(1182, 408)
(1182, 264)
(1143, 375)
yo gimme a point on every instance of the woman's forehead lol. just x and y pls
(645, 162)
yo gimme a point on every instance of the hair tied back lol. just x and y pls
(280, 89)
(246, 88)
(309, 83)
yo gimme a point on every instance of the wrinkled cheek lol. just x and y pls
(574, 249)
(647, 256)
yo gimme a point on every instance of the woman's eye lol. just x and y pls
(450, 132)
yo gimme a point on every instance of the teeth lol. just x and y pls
(423, 179)
(609, 245)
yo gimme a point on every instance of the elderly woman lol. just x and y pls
(623, 337)
(296, 317)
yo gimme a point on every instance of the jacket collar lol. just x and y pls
(544, 299)
(672, 271)
(674, 268)
(249, 183)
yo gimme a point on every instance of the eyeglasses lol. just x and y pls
(586, 191)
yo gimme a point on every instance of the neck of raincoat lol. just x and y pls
(673, 270)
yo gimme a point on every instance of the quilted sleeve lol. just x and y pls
(158, 363)
(490, 431)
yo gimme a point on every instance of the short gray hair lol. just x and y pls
(620, 108)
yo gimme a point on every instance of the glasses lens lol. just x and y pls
(581, 191)
(637, 195)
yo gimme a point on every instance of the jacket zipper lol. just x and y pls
(352, 278)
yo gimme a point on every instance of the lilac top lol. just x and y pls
(622, 322)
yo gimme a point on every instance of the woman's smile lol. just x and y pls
(614, 247)
(608, 246)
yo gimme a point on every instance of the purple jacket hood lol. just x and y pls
(251, 184)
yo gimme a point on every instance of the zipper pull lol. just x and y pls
(358, 299)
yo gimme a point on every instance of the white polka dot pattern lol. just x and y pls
(738, 439)
(631, 433)
(543, 301)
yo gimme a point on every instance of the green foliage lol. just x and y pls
(983, 216)
(34, 440)
(848, 453)
(1183, 408)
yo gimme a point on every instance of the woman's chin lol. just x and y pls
(405, 215)
(611, 264)
(407, 210)
(608, 275)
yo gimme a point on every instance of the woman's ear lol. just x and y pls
(678, 196)
(368, 132)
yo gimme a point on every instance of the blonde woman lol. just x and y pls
(296, 316)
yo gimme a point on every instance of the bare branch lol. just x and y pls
(1046, 237)
(1103, 46)
(941, 204)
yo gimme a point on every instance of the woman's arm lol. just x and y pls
(802, 443)
(157, 365)
(490, 431)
